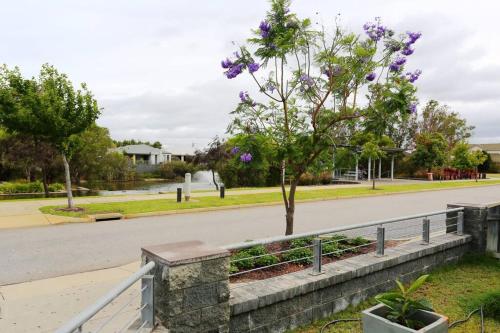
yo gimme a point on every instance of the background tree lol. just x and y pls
(476, 158)
(156, 144)
(440, 119)
(310, 81)
(461, 156)
(89, 153)
(212, 157)
(49, 108)
(430, 151)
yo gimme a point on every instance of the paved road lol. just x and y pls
(36, 253)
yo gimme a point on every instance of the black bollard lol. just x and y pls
(222, 192)
(179, 194)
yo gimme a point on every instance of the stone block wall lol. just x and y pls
(295, 299)
(191, 286)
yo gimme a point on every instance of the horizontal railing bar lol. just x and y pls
(91, 311)
(113, 316)
(334, 230)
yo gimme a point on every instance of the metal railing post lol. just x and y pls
(147, 301)
(317, 252)
(426, 230)
(380, 241)
(460, 223)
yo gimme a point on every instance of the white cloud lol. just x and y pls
(154, 65)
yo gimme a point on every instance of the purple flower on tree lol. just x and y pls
(413, 37)
(336, 70)
(407, 51)
(394, 68)
(371, 76)
(400, 61)
(235, 150)
(265, 29)
(244, 97)
(253, 67)
(246, 157)
(375, 31)
(412, 77)
(234, 71)
(412, 108)
(226, 63)
(306, 80)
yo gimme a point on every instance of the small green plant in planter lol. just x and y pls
(402, 307)
(398, 312)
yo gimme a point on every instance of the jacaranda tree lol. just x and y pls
(312, 83)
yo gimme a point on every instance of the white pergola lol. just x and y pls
(390, 151)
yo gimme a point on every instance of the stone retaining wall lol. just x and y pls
(295, 299)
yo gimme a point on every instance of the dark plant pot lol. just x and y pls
(374, 321)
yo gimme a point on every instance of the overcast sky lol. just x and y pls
(154, 64)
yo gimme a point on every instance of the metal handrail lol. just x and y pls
(79, 320)
(270, 240)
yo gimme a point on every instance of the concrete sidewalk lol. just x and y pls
(44, 305)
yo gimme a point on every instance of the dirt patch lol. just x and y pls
(74, 209)
(282, 269)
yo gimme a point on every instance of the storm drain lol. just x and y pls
(106, 217)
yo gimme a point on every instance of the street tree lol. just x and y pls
(476, 158)
(309, 83)
(47, 107)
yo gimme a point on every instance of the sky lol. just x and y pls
(154, 65)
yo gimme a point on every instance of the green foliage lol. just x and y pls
(439, 119)
(402, 307)
(260, 171)
(461, 156)
(33, 187)
(490, 301)
(430, 151)
(300, 256)
(301, 242)
(246, 260)
(156, 144)
(176, 169)
(332, 249)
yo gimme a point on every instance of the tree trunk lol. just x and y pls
(373, 176)
(290, 208)
(68, 182)
(477, 170)
(45, 183)
(215, 182)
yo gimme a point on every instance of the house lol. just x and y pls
(491, 148)
(145, 154)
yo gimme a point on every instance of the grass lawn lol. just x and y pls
(157, 205)
(493, 175)
(453, 290)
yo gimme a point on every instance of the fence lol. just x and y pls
(144, 319)
(372, 234)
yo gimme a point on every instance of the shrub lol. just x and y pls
(56, 187)
(331, 247)
(266, 260)
(490, 302)
(243, 263)
(175, 169)
(12, 188)
(306, 179)
(301, 242)
(301, 256)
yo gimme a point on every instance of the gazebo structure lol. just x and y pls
(357, 150)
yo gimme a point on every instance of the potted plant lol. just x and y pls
(399, 312)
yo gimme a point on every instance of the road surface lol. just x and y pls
(35, 253)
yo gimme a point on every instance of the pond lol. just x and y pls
(201, 180)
